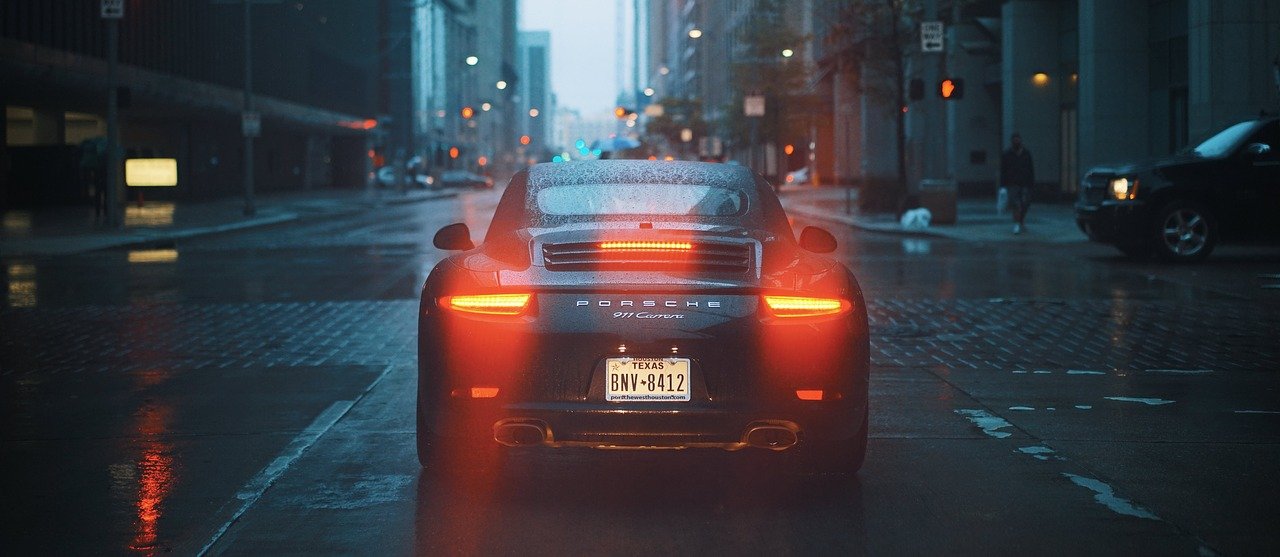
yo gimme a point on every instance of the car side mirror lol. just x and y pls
(1257, 149)
(817, 240)
(456, 236)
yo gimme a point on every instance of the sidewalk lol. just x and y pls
(68, 230)
(976, 219)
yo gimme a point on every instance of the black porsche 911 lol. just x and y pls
(643, 304)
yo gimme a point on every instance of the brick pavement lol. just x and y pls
(994, 334)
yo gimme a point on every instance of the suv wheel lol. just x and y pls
(1185, 232)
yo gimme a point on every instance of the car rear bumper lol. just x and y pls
(1113, 222)
(676, 425)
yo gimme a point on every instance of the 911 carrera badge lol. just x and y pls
(645, 315)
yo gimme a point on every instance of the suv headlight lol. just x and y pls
(1124, 188)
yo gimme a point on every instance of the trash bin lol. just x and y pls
(939, 197)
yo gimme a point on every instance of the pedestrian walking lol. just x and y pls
(1018, 175)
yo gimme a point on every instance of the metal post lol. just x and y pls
(114, 196)
(249, 209)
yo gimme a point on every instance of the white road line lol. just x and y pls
(1256, 412)
(252, 490)
(990, 424)
(1105, 495)
(1146, 401)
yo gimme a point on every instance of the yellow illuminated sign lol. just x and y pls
(151, 172)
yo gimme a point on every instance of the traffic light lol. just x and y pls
(951, 88)
(916, 89)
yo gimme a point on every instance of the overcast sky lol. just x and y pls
(583, 73)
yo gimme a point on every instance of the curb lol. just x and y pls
(862, 225)
(143, 237)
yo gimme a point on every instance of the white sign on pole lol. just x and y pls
(753, 105)
(112, 9)
(251, 124)
(931, 36)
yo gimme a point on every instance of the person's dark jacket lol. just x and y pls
(1016, 169)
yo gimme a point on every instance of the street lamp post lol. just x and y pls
(249, 208)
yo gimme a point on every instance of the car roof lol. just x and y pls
(625, 171)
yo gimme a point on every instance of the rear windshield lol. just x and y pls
(640, 200)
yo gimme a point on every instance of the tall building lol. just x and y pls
(1085, 82)
(465, 67)
(537, 103)
(320, 83)
(340, 87)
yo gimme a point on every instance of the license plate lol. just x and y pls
(646, 379)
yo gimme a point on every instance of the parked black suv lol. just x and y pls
(1225, 189)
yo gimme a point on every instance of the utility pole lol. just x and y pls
(113, 12)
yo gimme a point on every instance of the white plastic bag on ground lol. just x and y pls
(916, 219)
(1002, 200)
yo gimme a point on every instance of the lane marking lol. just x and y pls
(253, 490)
(1084, 372)
(1084, 407)
(987, 422)
(1256, 412)
(1146, 401)
(1040, 452)
(1181, 371)
(1021, 408)
(1105, 495)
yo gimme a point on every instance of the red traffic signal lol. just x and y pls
(951, 88)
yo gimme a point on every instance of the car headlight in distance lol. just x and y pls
(804, 306)
(488, 304)
(1124, 188)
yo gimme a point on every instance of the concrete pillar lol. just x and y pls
(848, 126)
(49, 127)
(1231, 45)
(1114, 82)
(973, 123)
(1030, 45)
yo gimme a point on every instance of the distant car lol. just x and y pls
(799, 176)
(1225, 189)
(464, 179)
(631, 304)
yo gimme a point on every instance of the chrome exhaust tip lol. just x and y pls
(771, 436)
(519, 433)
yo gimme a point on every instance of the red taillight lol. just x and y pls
(803, 306)
(489, 304)
(646, 246)
(809, 394)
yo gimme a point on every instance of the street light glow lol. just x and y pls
(695, 33)
(786, 52)
(472, 60)
(664, 70)
(486, 106)
(648, 91)
(501, 84)
(533, 113)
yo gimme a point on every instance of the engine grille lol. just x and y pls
(700, 256)
(1095, 189)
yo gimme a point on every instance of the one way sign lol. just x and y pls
(931, 36)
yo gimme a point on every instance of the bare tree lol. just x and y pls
(874, 37)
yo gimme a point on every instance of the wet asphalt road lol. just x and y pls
(252, 394)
